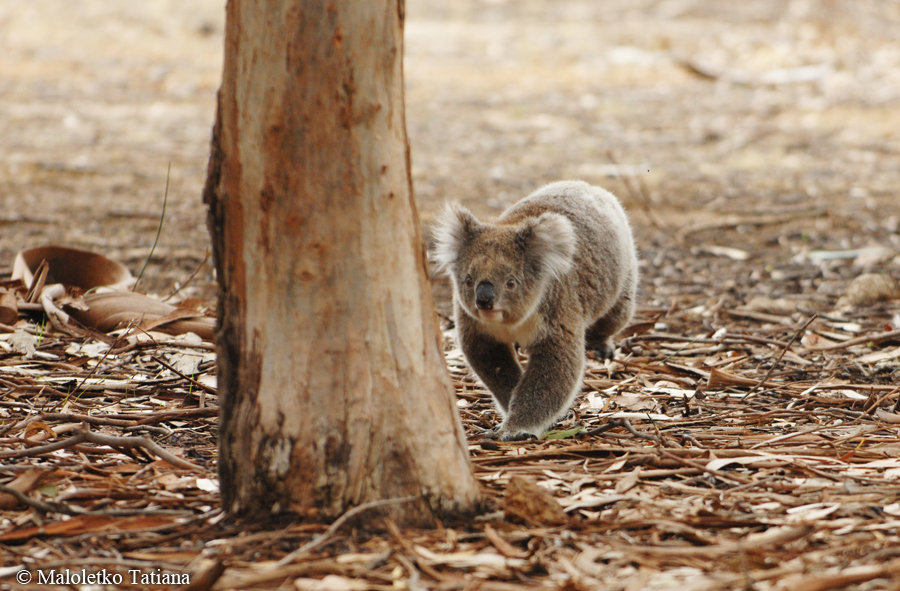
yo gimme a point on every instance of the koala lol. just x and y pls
(555, 274)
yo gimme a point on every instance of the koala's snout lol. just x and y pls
(484, 296)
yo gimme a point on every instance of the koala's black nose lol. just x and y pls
(484, 296)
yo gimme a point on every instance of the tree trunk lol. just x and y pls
(334, 390)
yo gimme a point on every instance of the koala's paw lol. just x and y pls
(603, 349)
(492, 434)
(517, 436)
(503, 433)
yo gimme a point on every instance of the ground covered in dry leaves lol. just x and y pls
(745, 437)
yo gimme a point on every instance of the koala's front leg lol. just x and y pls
(494, 363)
(553, 377)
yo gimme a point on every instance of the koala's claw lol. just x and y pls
(518, 436)
(499, 433)
(492, 434)
(603, 350)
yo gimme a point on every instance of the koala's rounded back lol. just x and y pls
(604, 265)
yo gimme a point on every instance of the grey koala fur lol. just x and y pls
(555, 273)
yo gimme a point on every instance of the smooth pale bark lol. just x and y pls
(334, 390)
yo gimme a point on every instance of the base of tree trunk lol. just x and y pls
(334, 389)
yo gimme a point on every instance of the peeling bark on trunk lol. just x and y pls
(334, 390)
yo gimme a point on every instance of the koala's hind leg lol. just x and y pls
(494, 363)
(598, 336)
(552, 379)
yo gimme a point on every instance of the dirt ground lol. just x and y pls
(756, 146)
(770, 108)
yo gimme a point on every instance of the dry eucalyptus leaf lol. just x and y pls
(629, 481)
(888, 417)
(23, 483)
(39, 427)
(23, 342)
(635, 402)
(880, 356)
(108, 311)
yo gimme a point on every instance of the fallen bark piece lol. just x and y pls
(9, 309)
(526, 500)
(72, 266)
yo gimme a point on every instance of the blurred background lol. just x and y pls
(741, 136)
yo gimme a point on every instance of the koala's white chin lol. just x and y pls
(491, 315)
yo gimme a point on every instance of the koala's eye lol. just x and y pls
(511, 283)
(469, 282)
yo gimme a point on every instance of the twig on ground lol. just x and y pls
(784, 351)
(7, 328)
(71, 417)
(726, 477)
(875, 339)
(93, 369)
(200, 385)
(324, 536)
(109, 440)
(607, 426)
(46, 507)
(875, 405)
(142, 442)
(406, 545)
(787, 436)
(187, 281)
(163, 415)
(45, 449)
(626, 424)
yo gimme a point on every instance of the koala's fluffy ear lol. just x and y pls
(551, 240)
(453, 227)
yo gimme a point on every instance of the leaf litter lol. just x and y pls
(717, 450)
(712, 454)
